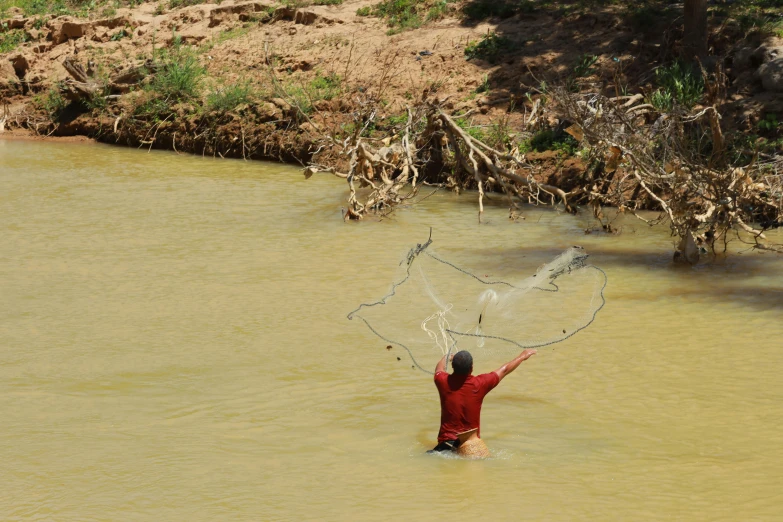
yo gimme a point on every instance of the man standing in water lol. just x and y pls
(461, 395)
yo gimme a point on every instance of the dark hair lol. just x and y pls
(462, 363)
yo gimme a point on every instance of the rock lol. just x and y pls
(281, 103)
(309, 128)
(771, 75)
(17, 22)
(303, 65)
(21, 65)
(292, 31)
(323, 105)
(66, 28)
(33, 34)
(305, 17)
(101, 35)
(771, 49)
(284, 13)
(8, 77)
(547, 155)
(742, 58)
(687, 251)
(63, 28)
(269, 112)
(239, 11)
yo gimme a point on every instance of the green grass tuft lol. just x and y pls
(229, 97)
(678, 84)
(180, 75)
(10, 40)
(489, 47)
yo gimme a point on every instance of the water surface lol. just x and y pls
(173, 346)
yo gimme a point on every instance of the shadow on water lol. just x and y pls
(729, 278)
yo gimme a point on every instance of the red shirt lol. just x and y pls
(460, 401)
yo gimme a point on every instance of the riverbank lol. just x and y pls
(276, 77)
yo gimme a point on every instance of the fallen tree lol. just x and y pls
(638, 159)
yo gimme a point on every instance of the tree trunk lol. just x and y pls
(695, 41)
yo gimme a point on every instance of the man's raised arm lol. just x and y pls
(441, 366)
(512, 365)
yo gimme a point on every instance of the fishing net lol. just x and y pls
(437, 308)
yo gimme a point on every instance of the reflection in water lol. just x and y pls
(174, 346)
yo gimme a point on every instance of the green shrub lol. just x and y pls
(364, 11)
(173, 4)
(52, 102)
(10, 40)
(397, 121)
(770, 123)
(551, 139)
(584, 67)
(483, 9)
(401, 15)
(484, 85)
(489, 47)
(661, 100)
(125, 33)
(498, 136)
(304, 96)
(228, 98)
(325, 87)
(179, 75)
(438, 11)
(679, 85)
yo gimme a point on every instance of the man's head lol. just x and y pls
(462, 363)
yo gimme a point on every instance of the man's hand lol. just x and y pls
(441, 366)
(512, 365)
(527, 354)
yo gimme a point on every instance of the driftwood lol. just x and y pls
(392, 171)
(704, 199)
(638, 159)
(83, 85)
(4, 118)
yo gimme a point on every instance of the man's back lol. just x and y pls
(462, 394)
(461, 397)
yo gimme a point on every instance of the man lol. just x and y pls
(461, 395)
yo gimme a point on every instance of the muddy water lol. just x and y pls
(173, 346)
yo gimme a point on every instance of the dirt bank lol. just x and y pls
(327, 57)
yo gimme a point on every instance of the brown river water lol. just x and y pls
(174, 346)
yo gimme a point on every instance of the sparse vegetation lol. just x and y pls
(174, 4)
(51, 102)
(303, 95)
(77, 8)
(180, 75)
(11, 39)
(678, 85)
(227, 98)
(489, 47)
(553, 139)
(404, 15)
(483, 86)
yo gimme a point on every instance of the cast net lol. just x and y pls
(437, 307)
